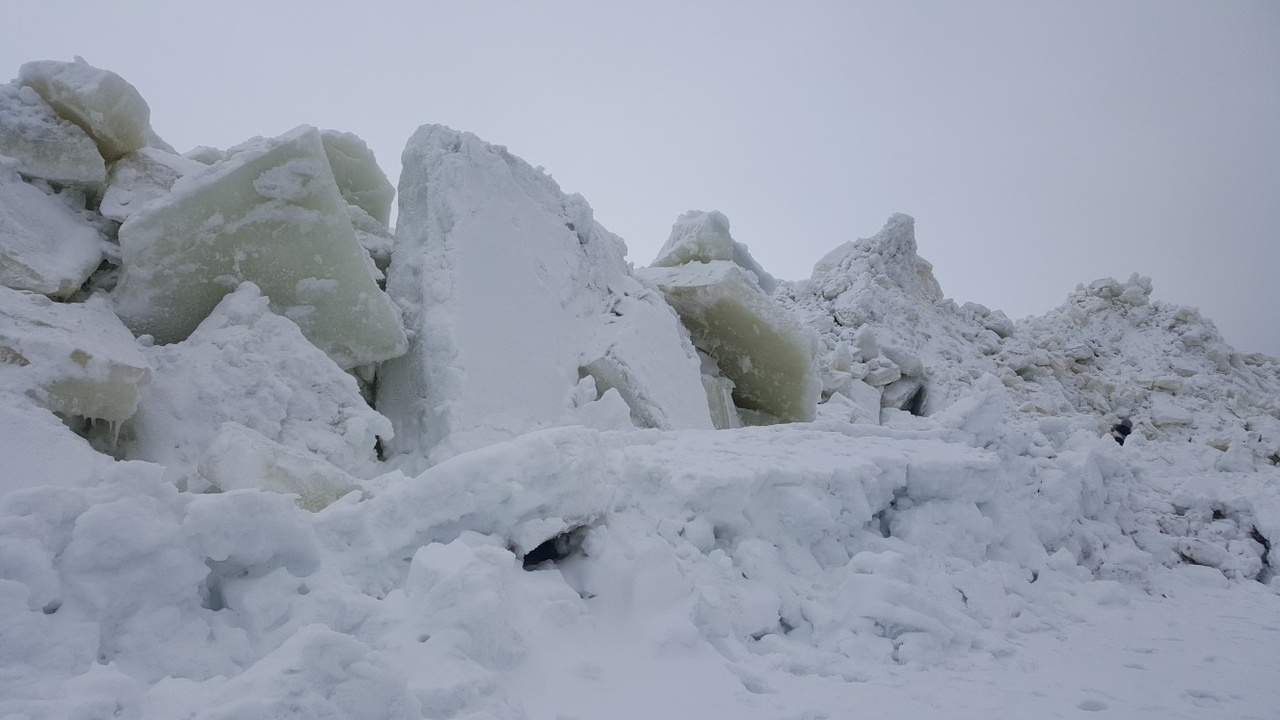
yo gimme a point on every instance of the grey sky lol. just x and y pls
(1038, 145)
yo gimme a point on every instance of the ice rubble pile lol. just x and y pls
(248, 551)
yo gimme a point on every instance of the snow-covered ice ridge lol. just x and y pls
(261, 456)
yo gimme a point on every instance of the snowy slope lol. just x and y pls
(528, 515)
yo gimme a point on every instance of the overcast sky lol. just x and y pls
(1038, 145)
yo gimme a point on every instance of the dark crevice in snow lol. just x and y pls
(556, 549)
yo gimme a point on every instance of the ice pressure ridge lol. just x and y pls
(262, 453)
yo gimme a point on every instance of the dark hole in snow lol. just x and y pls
(915, 405)
(556, 549)
(1218, 514)
(423, 638)
(303, 589)
(52, 607)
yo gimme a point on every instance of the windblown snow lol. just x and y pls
(262, 457)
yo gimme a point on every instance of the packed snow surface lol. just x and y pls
(496, 490)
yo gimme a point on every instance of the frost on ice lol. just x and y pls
(770, 357)
(273, 215)
(515, 294)
(140, 177)
(46, 146)
(101, 102)
(45, 246)
(77, 360)
(703, 237)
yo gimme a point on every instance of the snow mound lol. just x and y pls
(514, 294)
(247, 365)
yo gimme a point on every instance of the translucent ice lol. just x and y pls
(273, 215)
(101, 102)
(77, 360)
(769, 355)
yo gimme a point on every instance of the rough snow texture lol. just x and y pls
(45, 246)
(272, 215)
(991, 533)
(46, 146)
(247, 365)
(513, 294)
(771, 358)
(101, 102)
(700, 236)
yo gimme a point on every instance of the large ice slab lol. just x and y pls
(140, 177)
(101, 102)
(699, 236)
(247, 365)
(45, 145)
(44, 246)
(271, 214)
(76, 360)
(771, 358)
(514, 293)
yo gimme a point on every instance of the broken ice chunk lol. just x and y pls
(101, 102)
(240, 458)
(44, 247)
(45, 145)
(272, 214)
(360, 180)
(700, 236)
(76, 360)
(140, 177)
(769, 355)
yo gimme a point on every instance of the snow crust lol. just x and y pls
(206, 528)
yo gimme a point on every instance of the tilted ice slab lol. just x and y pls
(247, 365)
(44, 246)
(101, 102)
(77, 360)
(46, 146)
(771, 357)
(273, 215)
(699, 236)
(514, 295)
